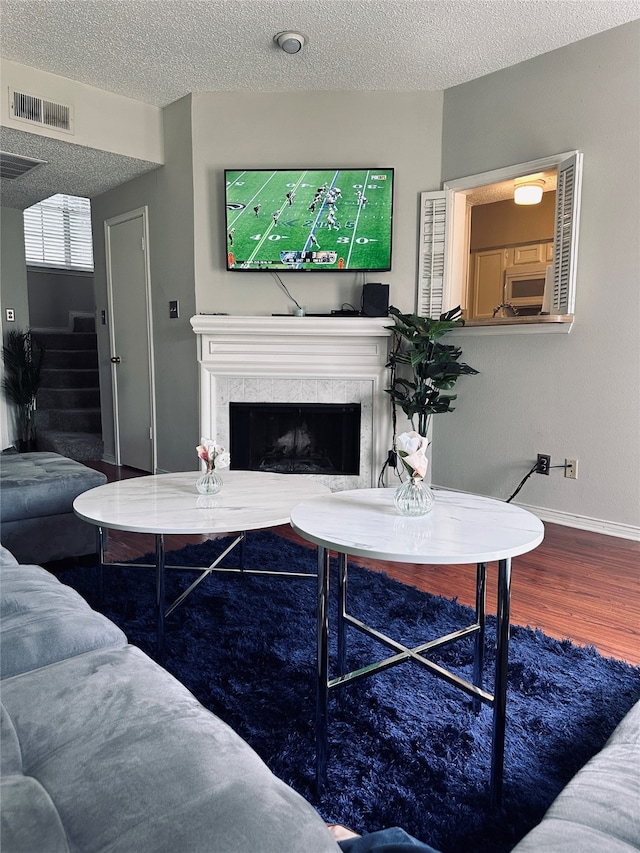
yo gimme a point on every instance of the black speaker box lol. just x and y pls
(375, 300)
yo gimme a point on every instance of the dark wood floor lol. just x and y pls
(578, 585)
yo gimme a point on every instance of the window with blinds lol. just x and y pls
(57, 233)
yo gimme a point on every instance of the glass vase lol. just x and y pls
(413, 497)
(210, 483)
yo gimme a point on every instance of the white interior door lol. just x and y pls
(131, 335)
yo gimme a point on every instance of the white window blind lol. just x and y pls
(57, 233)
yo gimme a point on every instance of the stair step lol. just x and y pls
(81, 446)
(72, 359)
(65, 340)
(68, 398)
(63, 377)
(68, 417)
(69, 420)
(84, 324)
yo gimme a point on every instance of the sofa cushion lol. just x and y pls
(6, 557)
(28, 814)
(43, 620)
(41, 484)
(132, 761)
(30, 820)
(49, 537)
(600, 807)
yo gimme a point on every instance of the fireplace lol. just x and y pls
(299, 361)
(295, 438)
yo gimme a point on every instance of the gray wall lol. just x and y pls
(573, 395)
(13, 270)
(13, 294)
(168, 193)
(54, 295)
(187, 236)
(245, 130)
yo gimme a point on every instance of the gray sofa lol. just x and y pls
(103, 750)
(37, 521)
(599, 810)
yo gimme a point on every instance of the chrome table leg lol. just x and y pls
(322, 673)
(100, 566)
(500, 690)
(342, 609)
(160, 596)
(478, 654)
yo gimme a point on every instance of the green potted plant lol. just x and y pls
(22, 368)
(431, 367)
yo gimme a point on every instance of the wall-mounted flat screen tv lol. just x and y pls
(331, 220)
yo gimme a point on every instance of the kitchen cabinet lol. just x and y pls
(532, 253)
(487, 288)
(512, 274)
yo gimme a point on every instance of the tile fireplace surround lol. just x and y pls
(267, 359)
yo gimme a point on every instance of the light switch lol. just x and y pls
(174, 309)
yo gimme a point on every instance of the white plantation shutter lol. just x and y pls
(432, 267)
(57, 233)
(566, 234)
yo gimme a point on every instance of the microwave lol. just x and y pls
(525, 289)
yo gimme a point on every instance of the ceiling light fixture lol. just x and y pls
(528, 191)
(290, 42)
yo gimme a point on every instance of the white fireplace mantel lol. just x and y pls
(298, 359)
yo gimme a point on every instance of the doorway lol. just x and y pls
(131, 339)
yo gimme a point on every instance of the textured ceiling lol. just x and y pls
(159, 50)
(156, 51)
(71, 169)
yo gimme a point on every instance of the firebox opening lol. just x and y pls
(295, 438)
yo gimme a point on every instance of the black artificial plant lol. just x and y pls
(22, 368)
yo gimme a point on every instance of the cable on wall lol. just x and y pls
(284, 287)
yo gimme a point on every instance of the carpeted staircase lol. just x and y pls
(68, 403)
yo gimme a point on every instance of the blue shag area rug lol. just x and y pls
(406, 749)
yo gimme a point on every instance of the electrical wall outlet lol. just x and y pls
(571, 469)
(10, 314)
(543, 463)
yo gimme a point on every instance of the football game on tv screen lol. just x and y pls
(335, 220)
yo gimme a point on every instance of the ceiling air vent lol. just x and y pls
(40, 111)
(14, 166)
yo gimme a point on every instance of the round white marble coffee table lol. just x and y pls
(460, 529)
(170, 503)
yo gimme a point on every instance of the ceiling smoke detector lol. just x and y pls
(290, 42)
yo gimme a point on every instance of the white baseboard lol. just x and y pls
(584, 522)
(580, 522)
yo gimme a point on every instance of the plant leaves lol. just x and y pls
(436, 366)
